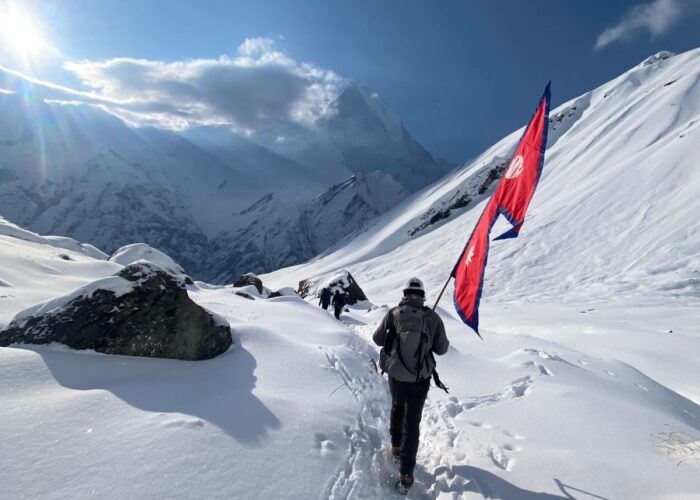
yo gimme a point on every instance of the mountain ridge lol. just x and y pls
(638, 126)
(76, 170)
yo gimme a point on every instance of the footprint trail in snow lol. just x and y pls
(367, 470)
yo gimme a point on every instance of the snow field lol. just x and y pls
(595, 426)
(35, 269)
(297, 410)
(590, 317)
(265, 419)
(586, 385)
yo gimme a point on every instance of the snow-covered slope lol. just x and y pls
(586, 385)
(614, 214)
(267, 419)
(612, 226)
(297, 411)
(276, 234)
(35, 268)
(9, 229)
(592, 313)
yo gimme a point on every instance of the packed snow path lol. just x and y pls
(463, 454)
(368, 471)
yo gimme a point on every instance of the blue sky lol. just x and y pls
(461, 74)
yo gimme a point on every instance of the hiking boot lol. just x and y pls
(404, 483)
(396, 454)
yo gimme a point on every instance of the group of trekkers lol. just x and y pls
(409, 335)
(337, 299)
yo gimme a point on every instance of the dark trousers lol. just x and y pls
(337, 310)
(325, 305)
(407, 400)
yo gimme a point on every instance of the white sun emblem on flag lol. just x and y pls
(470, 256)
(516, 167)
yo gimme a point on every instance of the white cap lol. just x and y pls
(414, 285)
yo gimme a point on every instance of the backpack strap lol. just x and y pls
(438, 382)
(389, 341)
(419, 354)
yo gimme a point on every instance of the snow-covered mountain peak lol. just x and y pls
(361, 118)
(619, 172)
(80, 171)
(659, 56)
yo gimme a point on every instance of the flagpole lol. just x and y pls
(442, 291)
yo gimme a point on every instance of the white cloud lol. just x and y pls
(253, 46)
(261, 89)
(656, 18)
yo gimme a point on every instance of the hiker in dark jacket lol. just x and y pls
(410, 334)
(339, 301)
(325, 298)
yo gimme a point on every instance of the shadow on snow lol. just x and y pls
(491, 486)
(218, 390)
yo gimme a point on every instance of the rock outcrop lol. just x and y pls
(283, 292)
(140, 311)
(249, 279)
(342, 281)
(251, 287)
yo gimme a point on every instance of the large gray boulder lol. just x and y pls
(140, 311)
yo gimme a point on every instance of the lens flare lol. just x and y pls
(20, 34)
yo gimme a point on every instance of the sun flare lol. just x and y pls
(20, 34)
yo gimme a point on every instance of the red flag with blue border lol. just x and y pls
(511, 199)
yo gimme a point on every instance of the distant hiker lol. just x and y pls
(339, 301)
(410, 333)
(325, 298)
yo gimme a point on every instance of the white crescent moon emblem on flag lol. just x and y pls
(516, 167)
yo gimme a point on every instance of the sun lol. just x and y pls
(20, 34)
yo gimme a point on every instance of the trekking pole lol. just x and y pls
(442, 291)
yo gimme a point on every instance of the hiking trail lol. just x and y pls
(368, 471)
